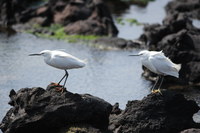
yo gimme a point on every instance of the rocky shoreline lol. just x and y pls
(39, 110)
(76, 16)
(45, 110)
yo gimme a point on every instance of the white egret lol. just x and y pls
(158, 63)
(61, 60)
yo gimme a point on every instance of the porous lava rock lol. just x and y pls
(156, 113)
(85, 17)
(38, 110)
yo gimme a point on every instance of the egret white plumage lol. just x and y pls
(61, 60)
(158, 63)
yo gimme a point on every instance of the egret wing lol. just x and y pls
(66, 61)
(60, 50)
(164, 65)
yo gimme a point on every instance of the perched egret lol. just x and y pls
(61, 60)
(158, 63)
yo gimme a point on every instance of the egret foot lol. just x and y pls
(58, 87)
(156, 91)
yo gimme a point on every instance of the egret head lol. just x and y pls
(142, 53)
(44, 53)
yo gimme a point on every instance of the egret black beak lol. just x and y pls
(134, 55)
(34, 54)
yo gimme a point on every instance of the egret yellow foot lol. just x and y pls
(58, 87)
(156, 91)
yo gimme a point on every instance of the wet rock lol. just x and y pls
(166, 113)
(86, 17)
(7, 30)
(15, 11)
(115, 109)
(118, 42)
(188, 7)
(38, 110)
(118, 7)
(192, 130)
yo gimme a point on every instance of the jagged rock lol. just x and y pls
(116, 110)
(86, 17)
(38, 110)
(7, 30)
(188, 7)
(166, 113)
(118, 42)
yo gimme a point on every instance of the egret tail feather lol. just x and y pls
(178, 66)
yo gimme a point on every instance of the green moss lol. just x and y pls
(120, 21)
(130, 21)
(74, 38)
(56, 31)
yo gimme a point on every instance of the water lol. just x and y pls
(196, 23)
(153, 13)
(111, 75)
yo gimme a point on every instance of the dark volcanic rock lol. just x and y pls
(89, 17)
(166, 113)
(86, 17)
(118, 42)
(189, 7)
(38, 110)
(8, 30)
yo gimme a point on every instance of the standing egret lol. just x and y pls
(61, 60)
(158, 63)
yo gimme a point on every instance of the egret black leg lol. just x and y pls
(62, 78)
(153, 87)
(67, 74)
(157, 89)
(162, 77)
